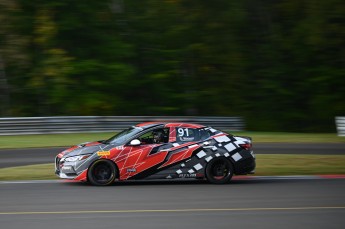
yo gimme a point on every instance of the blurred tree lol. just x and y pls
(74, 54)
(156, 32)
(296, 53)
(90, 31)
(188, 55)
(13, 59)
(280, 64)
(214, 59)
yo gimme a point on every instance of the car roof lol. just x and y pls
(146, 125)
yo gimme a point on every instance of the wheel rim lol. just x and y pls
(220, 170)
(102, 173)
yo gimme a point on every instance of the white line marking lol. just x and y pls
(174, 210)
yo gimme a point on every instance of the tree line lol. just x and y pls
(278, 64)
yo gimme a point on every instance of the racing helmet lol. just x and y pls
(158, 136)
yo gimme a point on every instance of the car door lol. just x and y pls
(138, 159)
(183, 143)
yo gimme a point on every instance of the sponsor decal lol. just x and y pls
(187, 139)
(67, 168)
(132, 170)
(187, 175)
(103, 153)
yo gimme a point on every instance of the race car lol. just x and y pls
(157, 150)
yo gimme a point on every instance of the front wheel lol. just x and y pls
(219, 171)
(101, 173)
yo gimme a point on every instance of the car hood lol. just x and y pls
(87, 148)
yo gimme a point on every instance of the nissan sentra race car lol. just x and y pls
(157, 150)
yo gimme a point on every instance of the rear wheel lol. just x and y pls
(101, 173)
(219, 171)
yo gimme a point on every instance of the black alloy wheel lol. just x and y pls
(101, 173)
(219, 171)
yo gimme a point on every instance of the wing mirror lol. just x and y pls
(135, 142)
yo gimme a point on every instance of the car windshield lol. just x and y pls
(124, 136)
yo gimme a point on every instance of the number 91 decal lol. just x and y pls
(183, 132)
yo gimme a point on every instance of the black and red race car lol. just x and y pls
(158, 150)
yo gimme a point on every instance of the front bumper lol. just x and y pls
(65, 170)
(73, 170)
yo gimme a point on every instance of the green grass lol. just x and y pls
(279, 164)
(267, 165)
(271, 137)
(29, 172)
(51, 140)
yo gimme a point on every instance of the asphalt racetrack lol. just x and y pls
(19, 157)
(249, 203)
(267, 203)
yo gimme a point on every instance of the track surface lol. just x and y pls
(18, 157)
(241, 204)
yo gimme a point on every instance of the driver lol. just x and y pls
(158, 136)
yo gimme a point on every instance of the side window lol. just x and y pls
(146, 138)
(156, 136)
(204, 134)
(186, 134)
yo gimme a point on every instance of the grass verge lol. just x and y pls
(51, 140)
(271, 137)
(267, 165)
(290, 164)
(29, 172)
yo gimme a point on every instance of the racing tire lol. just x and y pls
(219, 171)
(102, 173)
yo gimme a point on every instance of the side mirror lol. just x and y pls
(135, 142)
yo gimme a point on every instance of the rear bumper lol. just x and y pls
(247, 164)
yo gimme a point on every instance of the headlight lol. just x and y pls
(77, 158)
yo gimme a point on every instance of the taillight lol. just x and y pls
(246, 146)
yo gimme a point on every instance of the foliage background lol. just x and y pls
(279, 64)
